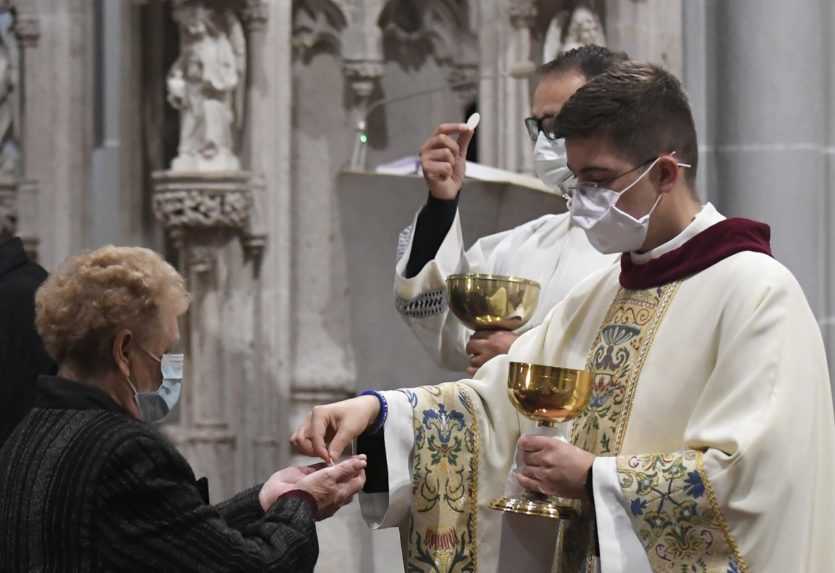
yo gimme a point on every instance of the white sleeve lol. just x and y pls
(422, 300)
(388, 509)
(620, 549)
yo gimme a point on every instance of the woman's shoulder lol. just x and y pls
(114, 442)
(134, 439)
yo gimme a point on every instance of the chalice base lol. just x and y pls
(536, 505)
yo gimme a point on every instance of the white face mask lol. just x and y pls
(154, 406)
(609, 229)
(550, 161)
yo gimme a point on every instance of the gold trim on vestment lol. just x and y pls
(719, 517)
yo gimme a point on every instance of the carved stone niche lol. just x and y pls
(196, 202)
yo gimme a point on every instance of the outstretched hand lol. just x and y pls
(331, 486)
(328, 429)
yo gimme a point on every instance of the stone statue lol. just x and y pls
(207, 84)
(584, 28)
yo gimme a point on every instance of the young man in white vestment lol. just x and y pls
(550, 250)
(708, 442)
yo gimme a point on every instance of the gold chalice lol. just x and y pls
(550, 396)
(492, 302)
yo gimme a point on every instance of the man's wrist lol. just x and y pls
(378, 420)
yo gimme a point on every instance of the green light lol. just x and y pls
(363, 138)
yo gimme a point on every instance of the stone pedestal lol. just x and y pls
(207, 217)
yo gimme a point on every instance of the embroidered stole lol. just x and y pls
(442, 529)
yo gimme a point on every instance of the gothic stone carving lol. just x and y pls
(206, 84)
(362, 76)
(202, 201)
(316, 24)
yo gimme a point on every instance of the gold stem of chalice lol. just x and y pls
(549, 395)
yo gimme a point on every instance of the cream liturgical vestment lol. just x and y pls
(711, 417)
(549, 250)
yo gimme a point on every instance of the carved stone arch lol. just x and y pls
(317, 27)
(414, 30)
(449, 29)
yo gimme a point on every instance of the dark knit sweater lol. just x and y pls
(86, 487)
(22, 355)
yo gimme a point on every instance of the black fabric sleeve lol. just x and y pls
(590, 494)
(150, 516)
(22, 355)
(432, 225)
(376, 472)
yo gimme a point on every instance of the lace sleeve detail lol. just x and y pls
(424, 305)
(403, 242)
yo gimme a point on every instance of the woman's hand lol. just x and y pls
(331, 486)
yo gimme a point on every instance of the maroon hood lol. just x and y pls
(712, 245)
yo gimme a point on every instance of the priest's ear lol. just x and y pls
(667, 173)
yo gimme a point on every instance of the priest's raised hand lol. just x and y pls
(443, 158)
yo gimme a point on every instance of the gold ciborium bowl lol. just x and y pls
(492, 302)
(550, 395)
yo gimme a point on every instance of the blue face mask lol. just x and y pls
(154, 406)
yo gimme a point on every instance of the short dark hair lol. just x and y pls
(641, 108)
(590, 61)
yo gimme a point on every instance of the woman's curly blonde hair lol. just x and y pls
(81, 307)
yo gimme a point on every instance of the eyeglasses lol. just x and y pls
(569, 184)
(547, 124)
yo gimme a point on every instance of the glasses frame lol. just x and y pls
(568, 185)
(534, 125)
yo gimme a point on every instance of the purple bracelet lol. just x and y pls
(384, 411)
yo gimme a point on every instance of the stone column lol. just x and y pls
(104, 202)
(827, 321)
(58, 131)
(274, 334)
(762, 101)
(770, 134)
(264, 428)
(27, 29)
(505, 40)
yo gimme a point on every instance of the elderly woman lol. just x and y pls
(88, 484)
